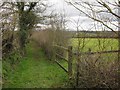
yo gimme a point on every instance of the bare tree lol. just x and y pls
(100, 11)
(104, 12)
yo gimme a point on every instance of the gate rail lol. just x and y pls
(69, 60)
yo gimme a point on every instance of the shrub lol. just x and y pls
(47, 38)
(98, 71)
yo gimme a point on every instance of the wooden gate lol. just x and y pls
(69, 60)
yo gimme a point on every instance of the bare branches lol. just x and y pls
(32, 5)
(108, 8)
(95, 15)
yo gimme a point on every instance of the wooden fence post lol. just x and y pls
(70, 57)
(77, 69)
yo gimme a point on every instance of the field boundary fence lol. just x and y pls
(69, 60)
(105, 37)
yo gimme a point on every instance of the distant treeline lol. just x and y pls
(92, 34)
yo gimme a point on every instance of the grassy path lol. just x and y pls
(35, 71)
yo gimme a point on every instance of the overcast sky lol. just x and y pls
(74, 15)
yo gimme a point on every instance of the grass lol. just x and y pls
(36, 71)
(95, 44)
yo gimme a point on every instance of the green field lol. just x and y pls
(95, 44)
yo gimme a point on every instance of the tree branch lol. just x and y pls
(93, 18)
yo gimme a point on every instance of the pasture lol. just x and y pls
(94, 44)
